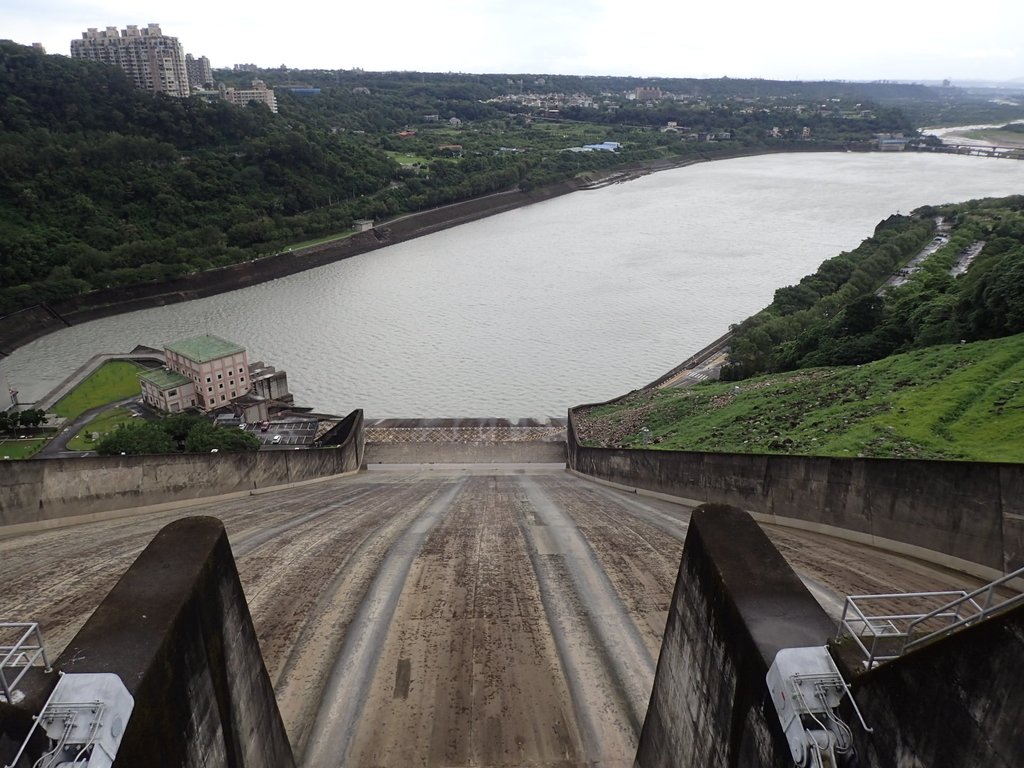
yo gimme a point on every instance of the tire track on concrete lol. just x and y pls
(319, 639)
(830, 600)
(249, 542)
(603, 652)
(350, 679)
(664, 522)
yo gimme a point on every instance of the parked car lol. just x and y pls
(277, 439)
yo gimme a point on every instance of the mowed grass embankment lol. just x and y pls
(20, 449)
(962, 401)
(102, 424)
(114, 380)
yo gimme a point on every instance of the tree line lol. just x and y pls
(178, 433)
(841, 315)
(15, 421)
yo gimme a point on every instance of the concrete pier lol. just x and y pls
(736, 604)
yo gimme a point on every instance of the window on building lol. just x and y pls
(209, 389)
(232, 394)
(220, 386)
(241, 378)
(222, 398)
(219, 376)
(208, 379)
(192, 402)
(172, 392)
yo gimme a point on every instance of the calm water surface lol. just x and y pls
(574, 300)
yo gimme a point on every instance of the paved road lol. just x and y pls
(479, 616)
(58, 447)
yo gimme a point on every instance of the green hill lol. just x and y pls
(961, 401)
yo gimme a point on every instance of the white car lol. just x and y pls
(277, 439)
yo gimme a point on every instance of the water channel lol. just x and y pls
(573, 300)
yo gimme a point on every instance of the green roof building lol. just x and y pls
(204, 372)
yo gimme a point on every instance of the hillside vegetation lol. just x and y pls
(890, 350)
(102, 185)
(962, 401)
(970, 288)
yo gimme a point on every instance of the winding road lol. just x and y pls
(484, 615)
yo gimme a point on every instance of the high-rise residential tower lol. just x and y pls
(200, 74)
(152, 59)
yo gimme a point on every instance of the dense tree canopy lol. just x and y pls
(179, 433)
(839, 315)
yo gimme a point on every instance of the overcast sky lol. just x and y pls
(796, 39)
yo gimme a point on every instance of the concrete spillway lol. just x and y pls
(496, 615)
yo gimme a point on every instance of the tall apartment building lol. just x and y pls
(153, 60)
(200, 74)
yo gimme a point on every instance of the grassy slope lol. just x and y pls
(103, 424)
(114, 380)
(949, 402)
(20, 449)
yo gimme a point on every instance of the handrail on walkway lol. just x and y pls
(21, 654)
(884, 633)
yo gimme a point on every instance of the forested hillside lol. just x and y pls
(102, 185)
(970, 288)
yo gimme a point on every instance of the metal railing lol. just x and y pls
(22, 654)
(987, 608)
(883, 632)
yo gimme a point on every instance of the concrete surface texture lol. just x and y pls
(177, 631)
(967, 515)
(736, 604)
(481, 615)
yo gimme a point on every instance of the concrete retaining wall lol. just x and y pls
(525, 452)
(736, 603)
(177, 630)
(966, 515)
(955, 702)
(40, 490)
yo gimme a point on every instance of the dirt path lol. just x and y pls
(488, 616)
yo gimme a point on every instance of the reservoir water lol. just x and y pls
(574, 300)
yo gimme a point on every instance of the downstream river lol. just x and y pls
(574, 300)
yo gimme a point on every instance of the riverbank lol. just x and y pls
(24, 326)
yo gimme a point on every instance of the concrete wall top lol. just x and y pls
(965, 515)
(44, 490)
(177, 630)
